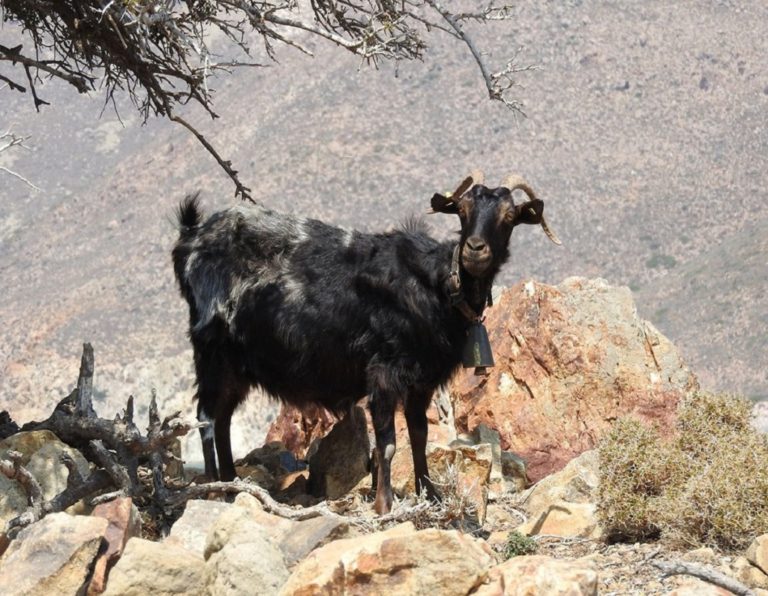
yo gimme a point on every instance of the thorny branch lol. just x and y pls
(8, 140)
(158, 51)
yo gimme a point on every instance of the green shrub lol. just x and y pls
(707, 485)
(519, 544)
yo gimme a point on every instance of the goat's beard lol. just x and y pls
(477, 268)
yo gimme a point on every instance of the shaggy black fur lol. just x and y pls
(313, 313)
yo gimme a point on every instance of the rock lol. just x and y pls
(515, 473)
(13, 502)
(191, 529)
(757, 553)
(26, 443)
(241, 557)
(562, 504)
(258, 474)
(472, 464)
(156, 568)
(397, 561)
(41, 451)
(297, 429)
(175, 468)
(569, 359)
(564, 519)
(577, 482)
(52, 556)
(46, 466)
(485, 435)
(124, 523)
(749, 574)
(275, 457)
(342, 458)
(697, 587)
(295, 539)
(537, 575)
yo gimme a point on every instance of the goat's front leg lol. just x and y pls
(382, 406)
(416, 418)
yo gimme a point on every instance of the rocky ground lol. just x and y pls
(513, 455)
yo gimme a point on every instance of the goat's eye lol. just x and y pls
(465, 208)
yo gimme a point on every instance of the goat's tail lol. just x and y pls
(189, 215)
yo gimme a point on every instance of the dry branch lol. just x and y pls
(158, 52)
(704, 573)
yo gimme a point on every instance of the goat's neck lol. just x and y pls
(476, 290)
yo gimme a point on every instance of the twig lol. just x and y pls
(197, 491)
(704, 573)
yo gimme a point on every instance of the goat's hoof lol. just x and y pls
(382, 505)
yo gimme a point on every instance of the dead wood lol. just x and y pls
(704, 573)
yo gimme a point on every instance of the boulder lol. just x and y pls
(757, 553)
(342, 457)
(471, 463)
(124, 523)
(537, 575)
(52, 556)
(397, 561)
(191, 529)
(297, 429)
(241, 557)
(569, 360)
(46, 466)
(295, 539)
(41, 451)
(156, 568)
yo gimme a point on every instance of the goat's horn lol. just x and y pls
(515, 182)
(550, 234)
(477, 176)
(465, 185)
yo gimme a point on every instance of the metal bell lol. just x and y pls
(477, 349)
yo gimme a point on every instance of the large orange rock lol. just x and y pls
(297, 429)
(570, 359)
(398, 561)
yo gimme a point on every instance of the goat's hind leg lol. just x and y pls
(382, 406)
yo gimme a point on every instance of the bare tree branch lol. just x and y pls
(158, 53)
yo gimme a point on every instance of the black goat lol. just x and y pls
(313, 313)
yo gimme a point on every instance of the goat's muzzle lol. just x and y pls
(476, 256)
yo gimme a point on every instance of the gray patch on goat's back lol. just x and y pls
(347, 238)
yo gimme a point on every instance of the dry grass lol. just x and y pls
(706, 486)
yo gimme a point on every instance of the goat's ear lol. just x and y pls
(531, 212)
(443, 204)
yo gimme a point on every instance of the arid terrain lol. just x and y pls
(645, 135)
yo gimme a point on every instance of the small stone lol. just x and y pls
(124, 523)
(749, 574)
(757, 553)
(537, 575)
